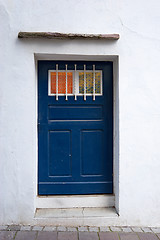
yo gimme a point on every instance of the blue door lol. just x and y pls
(75, 127)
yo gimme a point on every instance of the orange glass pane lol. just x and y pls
(62, 82)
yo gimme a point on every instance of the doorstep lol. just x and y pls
(75, 212)
(76, 216)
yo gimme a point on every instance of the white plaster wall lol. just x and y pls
(138, 49)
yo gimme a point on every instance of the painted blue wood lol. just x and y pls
(60, 155)
(75, 112)
(75, 138)
(92, 153)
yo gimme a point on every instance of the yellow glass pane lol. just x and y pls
(81, 82)
(97, 82)
(89, 82)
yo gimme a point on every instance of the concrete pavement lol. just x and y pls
(80, 233)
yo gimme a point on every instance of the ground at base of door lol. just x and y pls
(18, 232)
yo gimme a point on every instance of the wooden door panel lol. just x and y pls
(92, 153)
(60, 153)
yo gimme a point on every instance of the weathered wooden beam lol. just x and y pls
(56, 35)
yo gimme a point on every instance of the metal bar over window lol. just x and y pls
(84, 82)
(75, 69)
(66, 84)
(75, 82)
(93, 82)
(57, 82)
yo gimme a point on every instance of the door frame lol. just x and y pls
(103, 200)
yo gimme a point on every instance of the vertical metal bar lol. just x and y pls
(93, 82)
(66, 85)
(57, 82)
(84, 82)
(75, 69)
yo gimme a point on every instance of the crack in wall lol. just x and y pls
(131, 30)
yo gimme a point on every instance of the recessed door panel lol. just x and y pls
(75, 112)
(92, 149)
(60, 156)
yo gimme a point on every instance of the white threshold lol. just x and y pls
(75, 201)
(76, 217)
(75, 212)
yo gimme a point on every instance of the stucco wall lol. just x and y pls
(138, 49)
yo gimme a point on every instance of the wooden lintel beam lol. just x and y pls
(56, 35)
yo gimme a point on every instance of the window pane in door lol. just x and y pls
(98, 82)
(89, 82)
(62, 82)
